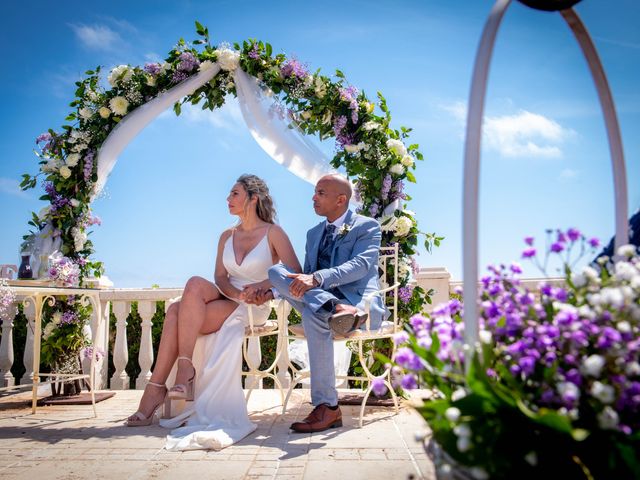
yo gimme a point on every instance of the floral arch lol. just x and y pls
(76, 161)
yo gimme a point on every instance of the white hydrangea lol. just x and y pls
(119, 105)
(205, 65)
(626, 251)
(397, 169)
(57, 318)
(592, 365)
(228, 59)
(407, 161)
(72, 160)
(608, 419)
(120, 74)
(403, 226)
(370, 126)
(320, 88)
(65, 172)
(397, 147)
(48, 330)
(79, 238)
(602, 392)
(86, 113)
(104, 112)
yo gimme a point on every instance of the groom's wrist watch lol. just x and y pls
(317, 279)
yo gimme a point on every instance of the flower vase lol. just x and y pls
(68, 363)
(24, 271)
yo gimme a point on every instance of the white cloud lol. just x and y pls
(11, 186)
(524, 134)
(97, 37)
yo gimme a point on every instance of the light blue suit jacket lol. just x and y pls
(354, 261)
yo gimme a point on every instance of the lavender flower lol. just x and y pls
(152, 68)
(378, 387)
(293, 68)
(178, 76)
(386, 187)
(405, 294)
(188, 62)
(88, 165)
(253, 53)
(374, 209)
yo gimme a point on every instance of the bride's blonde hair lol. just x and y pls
(257, 188)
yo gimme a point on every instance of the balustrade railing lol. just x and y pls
(115, 344)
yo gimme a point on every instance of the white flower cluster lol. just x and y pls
(8, 308)
(79, 238)
(400, 226)
(119, 105)
(120, 75)
(228, 59)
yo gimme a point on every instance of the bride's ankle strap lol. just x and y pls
(185, 358)
(156, 384)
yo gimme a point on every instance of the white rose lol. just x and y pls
(306, 114)
(320, 88)
(119, 105)
(48, 330)
(86, 113)
(397, 147)
(75, 203)
(91, 95)
(121, 73)
(72, 160)
(104, 112)
(79, 238)
(57, 317)
(352, 148)
(602, 392)
(407, 161)
(65, 172)
(608, 419)
(228, 59)
(592, 365)
(151, 80)
(403, 225)
(369, 126)
(206, 65)
(397, 169)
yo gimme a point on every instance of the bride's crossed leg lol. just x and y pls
(201, 310)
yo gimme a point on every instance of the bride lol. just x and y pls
(205, 329)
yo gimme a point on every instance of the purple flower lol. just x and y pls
(178, 76)
(397, 191)
(378, 386)
(43, 137)
(386, 186)
(88, 165)
(187, 62)
(409, 382)
(516, 268)
(594, 242)
(529, 241)
(400, 338)
(529, 252)
(253, 53)
(557, 247)
(573, 234)
(405, 294)
(527, 365)
(418, 323)
(152, 68)
(407, 358)
(293, 68)
(373, 209)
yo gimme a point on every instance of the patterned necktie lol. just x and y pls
(328, 236)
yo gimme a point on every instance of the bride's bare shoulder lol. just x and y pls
(226, 234)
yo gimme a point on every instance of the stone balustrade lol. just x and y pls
(119, 300)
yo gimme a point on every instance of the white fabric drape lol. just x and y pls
(134, 122)
(277, 137)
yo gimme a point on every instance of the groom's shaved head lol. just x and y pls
(341, 184)
(331, 198)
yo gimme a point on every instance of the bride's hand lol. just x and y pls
(249, 293)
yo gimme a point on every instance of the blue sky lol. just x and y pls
(545, 160)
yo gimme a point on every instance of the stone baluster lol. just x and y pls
(254, 358)
(6, 348)
(100, 340)
(146, 309)
(120, 379)
(30, 312)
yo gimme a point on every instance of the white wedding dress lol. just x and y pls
(218, 416)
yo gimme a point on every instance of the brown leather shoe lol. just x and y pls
(346, 319)
(321, 418)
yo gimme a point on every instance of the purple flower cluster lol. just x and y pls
(153, 68)
(350, 95)
(48, 140)
(254, 53)
(63, 271)
(405, 293)
(293, 68)
(7, 301)
(88, 165)
(57, 200)
(397, 191)
(188, 62)
(178, 76)
(386, 187)
(69, 318)
(343, 138)
(374, 209)
(87, 352)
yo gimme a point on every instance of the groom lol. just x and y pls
(340, 267)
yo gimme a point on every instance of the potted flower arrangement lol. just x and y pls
(552, 389)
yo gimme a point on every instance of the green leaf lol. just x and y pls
(199, 28)
(269, 49)
(177, 108)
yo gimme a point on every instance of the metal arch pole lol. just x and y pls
(472, 175)
(611, 123)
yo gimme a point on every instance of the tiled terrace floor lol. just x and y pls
(67, 442)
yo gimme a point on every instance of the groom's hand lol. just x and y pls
(301, 283)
